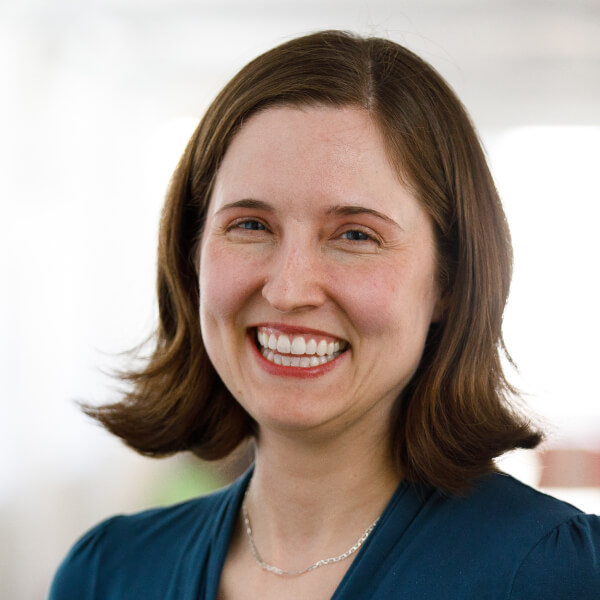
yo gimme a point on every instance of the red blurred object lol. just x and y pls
(570, 467)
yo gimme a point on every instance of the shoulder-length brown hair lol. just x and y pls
(455, 415)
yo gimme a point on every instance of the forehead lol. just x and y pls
(322, 130)
(337, 153)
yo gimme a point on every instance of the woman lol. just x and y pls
(333, 266)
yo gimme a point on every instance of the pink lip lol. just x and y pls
(298, 372)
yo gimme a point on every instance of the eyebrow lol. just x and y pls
(349, 210)
(341, 210)
(247, 203)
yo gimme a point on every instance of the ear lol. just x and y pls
(440, 308)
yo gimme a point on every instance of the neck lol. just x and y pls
(309, 472)
(313, 499)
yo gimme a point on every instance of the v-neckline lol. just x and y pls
(358, 579)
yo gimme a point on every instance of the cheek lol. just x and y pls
(389, 299)
(223, 285)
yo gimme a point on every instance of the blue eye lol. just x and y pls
(355, 235)
(251, 225)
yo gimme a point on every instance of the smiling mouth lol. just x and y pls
(302, 351)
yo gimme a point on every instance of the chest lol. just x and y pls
(243, 579)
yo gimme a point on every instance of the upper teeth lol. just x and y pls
(283, 344)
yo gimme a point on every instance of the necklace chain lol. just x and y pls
(320, 563)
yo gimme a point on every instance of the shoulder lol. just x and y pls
(563, 564)
(499, 501)
(141, 552)
(504, 539)
(164, 522)
(552, 549)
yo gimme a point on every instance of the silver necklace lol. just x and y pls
(320, 563)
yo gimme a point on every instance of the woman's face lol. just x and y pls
(317, 272)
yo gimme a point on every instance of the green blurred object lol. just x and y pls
(187, 479)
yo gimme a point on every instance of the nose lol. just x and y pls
(295, 279)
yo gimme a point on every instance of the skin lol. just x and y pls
(309, 228)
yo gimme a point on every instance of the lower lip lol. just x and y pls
(299, 372)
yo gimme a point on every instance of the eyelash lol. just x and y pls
(367, 237)
(240, 224)
(249, 224)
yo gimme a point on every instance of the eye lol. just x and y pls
(247, 230)
(250, 224)
(355, 235)
(245, 224)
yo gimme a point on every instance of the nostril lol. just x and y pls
(294, 283)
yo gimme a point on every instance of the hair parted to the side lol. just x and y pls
(455, 416)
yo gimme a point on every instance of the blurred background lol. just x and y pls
(97, 101)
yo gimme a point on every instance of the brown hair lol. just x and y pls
(455, 415)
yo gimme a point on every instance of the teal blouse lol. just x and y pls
(502, 541)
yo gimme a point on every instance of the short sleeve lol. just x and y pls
(76, 576)
(563, 565)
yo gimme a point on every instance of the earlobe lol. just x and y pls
(439, 309)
